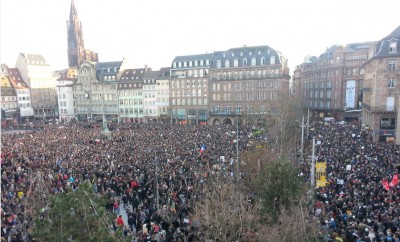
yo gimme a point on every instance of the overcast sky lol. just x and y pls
(153, 32)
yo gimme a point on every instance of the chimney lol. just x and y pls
(145, 69)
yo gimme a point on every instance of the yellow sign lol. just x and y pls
(320, 174)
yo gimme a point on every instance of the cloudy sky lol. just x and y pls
(153, 32)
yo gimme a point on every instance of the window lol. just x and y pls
(393, 47)
(244, 62)
(392, 65)
(235, 63)
(253, 61)
(218, 63)
(226, 63)
(391, 82)
(272, 60)
(262, 61)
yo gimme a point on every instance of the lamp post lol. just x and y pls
(237, 147)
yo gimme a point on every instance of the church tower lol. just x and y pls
(76, 48)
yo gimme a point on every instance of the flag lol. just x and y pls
(385, 185)
(203, 148)
(394, 181)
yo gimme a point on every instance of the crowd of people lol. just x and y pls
(361, 199)
(360, 202)
(124, 168)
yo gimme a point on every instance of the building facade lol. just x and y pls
(24, 110)
(162, 88)
(96, 91)
(150, 96)
(8, 102)
(189, 88)
(38, 75)
(130, 95)
(332, 84)
(65, 93)
(76, 48)
(382, 73)
(243, 81)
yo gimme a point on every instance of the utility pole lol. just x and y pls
(313, 164)
(308, 121)
(157, 198)
(302, 140)
(237, 147)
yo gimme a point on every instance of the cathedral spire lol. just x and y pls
(76, 49)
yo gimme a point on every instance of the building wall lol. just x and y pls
(189, 88)
(39, 76)
(245, 81)
(332, 84)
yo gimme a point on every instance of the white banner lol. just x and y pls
(350, 93)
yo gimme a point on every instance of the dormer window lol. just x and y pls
(226, 63)
(393, 47)
(218, 63)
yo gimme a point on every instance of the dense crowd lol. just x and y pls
(355, 205)
(123, 168)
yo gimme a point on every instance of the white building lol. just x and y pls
(162, 89)
(150, 96)
(65, 93)
(38, 75)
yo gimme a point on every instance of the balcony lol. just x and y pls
(381, 108)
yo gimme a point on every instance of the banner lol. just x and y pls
(320, 174)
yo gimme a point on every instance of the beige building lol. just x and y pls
(244, 81)
(332, 84)
(162, 89)
(38, 75)
(8, 98)
(65, 93)
(95, 91)
(381, 77)
(189, 89)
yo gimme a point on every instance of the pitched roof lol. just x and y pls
(164, 73)
(193, 57)
(131, 75)
(15, 77)
(34, 59)
(383, 46)
(151, 75)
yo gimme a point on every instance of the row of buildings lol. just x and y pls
(197, 89)
(352, 81)
(355, 81)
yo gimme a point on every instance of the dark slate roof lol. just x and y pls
(164, 73)
(382, 47)
(101, 69)
(111, 64)
(246, 52)
(152, 75)
(192, 58)
(133, 75)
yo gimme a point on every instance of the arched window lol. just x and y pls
(226, 63)
(253, 61)
(263, 61)
(218, 63)
(244, 62)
